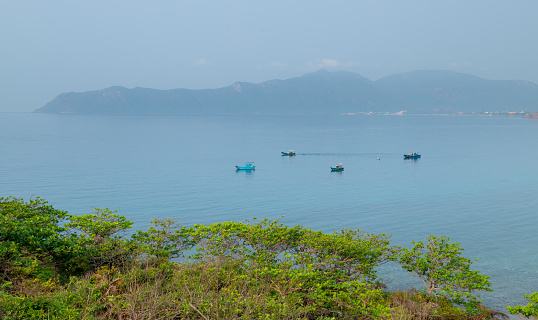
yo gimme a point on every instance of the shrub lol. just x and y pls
(442, 269)
(33, 243)
(530, 310)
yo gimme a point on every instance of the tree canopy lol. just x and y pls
(54, 265)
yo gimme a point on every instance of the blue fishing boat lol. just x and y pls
(413, 155)
(338, 168)
(247, 166)
(290, 153)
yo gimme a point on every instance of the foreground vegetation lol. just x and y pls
(58, 266)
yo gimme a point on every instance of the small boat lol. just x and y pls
(413, 155)
(290, 153)
(338, 168)
(247, 166)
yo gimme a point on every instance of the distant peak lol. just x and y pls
(115, 88)
(237, 87)
(336, 75)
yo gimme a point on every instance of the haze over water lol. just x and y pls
(477, 180)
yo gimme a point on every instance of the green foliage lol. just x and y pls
(165, 239)
(45, 307)
(270, 243)
(442, 269)
(37, 244)
(59, 266)
(33, 243)
(530, 310)
(99, 239)
(327, 272)
(101, 225)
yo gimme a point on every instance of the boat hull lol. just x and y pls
(336, 169)
(245, 168)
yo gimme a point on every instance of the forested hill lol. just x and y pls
(321, 92)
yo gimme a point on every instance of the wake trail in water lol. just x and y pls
(322, 154)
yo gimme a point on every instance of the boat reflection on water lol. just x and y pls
(245, 172)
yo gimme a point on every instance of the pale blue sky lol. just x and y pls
(51, 47)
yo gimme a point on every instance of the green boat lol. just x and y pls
(338, 168)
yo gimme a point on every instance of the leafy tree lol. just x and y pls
(101, 225)
(32, 240)
(165, 239)
(255, 270)
(327, 272)
(267, 243)
(99, 237)
(530, 310)
(442, 269)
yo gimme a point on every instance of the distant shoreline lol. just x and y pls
(321, 92)
(484, 114)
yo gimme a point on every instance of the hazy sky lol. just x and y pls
(51, 47)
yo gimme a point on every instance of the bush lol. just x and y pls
(59, 266)
(33, 243)
(327, 272)
(443, 270)
(530, 310)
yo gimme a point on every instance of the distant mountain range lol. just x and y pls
(321, 92)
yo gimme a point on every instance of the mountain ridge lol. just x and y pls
(320, 92)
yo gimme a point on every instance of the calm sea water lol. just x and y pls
(477, 180)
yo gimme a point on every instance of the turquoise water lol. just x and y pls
(477, 180)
